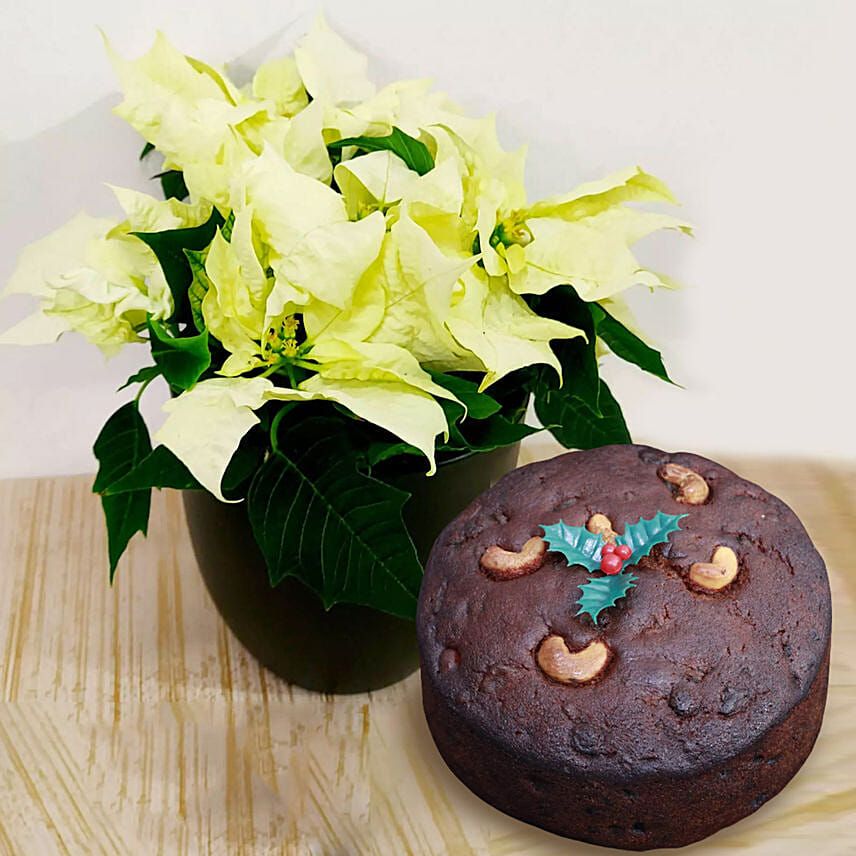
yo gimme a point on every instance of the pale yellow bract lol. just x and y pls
(391, 273)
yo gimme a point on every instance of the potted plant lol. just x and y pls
(352, 303)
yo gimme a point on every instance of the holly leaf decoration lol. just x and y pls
(602, 592)
(575, 543)
(581, 547)
(641, 537)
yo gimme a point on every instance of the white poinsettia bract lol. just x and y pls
(335, 273)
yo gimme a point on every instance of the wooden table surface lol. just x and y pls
(133, 723)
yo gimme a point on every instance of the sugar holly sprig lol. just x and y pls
(598, 593)
(581, 547)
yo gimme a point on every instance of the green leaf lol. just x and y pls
(147, 148)
(160, 469)
(483, 435)
(645, 534)
(626, 344)
(379, 452)
(602, 592)
(490, 434)
(245, 463)
(575, 543)
(172, 184)
(121, 445)
(574, 424)
(414, 153)
(169, 247)
(144, 375)
(199, 285)
(228, 226)
(182, 361)
(479, 404)
(577, 356)
(316, 517)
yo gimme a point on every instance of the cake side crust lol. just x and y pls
(639, 813)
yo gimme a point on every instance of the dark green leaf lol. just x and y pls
(169, 247)
(378, 452)
(414, 153)
(172, 184)
(316, 517)
(484, 436)
(182, 361)
(641, 537)
(248, 457)
(599, 593)
(575, 543)
(148, 147)
(121, 445)
(479, 404)
(160, 468)
(573, 424)
(199, 285)
(577, 356)
(490, 434)
(626, 344)
(144, 375)
(228, 226)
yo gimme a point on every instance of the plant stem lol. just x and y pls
(142, 389)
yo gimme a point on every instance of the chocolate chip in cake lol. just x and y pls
(732, 700)
(565, 502)
(586, 741)
(682, 702)
(449, 659)
(651, 456)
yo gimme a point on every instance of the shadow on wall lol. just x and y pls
(51, 176)
(54, 398)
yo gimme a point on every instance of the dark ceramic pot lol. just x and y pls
(346, 649)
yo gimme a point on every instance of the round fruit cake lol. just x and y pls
(625, 646)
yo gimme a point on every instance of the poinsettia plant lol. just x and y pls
(340, 282)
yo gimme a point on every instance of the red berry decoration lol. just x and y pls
(607, 549)
(624, 551)
(610, 563)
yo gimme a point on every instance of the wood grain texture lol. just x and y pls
(132, 722)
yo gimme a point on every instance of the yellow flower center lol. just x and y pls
(280, 343)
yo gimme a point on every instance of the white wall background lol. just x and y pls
(745, 107)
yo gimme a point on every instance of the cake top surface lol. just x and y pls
(695, 675)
